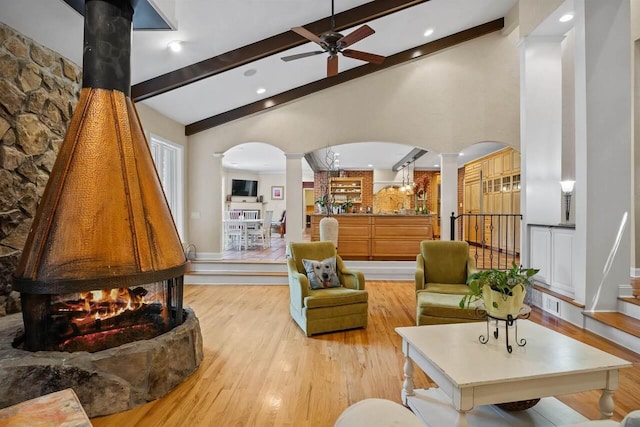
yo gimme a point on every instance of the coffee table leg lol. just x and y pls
(606, 404)
(407, 384)
(461, 420)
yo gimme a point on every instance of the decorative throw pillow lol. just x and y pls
(321, 274)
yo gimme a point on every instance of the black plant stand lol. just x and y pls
(525, 312)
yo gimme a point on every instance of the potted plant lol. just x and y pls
(322, 203)
(347, 206)
(502, 291)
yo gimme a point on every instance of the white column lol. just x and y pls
(603, 147)
(217, 231)
(541, 128)
(294, 198)
(448, 192)
(540, 134)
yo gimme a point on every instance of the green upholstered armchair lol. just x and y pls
(442, 268)
(325, 310)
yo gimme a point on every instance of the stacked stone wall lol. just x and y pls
(39, 90)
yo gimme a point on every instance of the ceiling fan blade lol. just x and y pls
(308, 35)
(355, 36)
(332, 65)
(363, 56)
(301, 55)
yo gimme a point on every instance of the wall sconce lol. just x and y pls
(567, 189)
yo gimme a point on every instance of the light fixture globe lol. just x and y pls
(567, 186)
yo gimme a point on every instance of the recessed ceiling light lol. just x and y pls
(461, 153)
(436, 166)
(369, 166)
(261, 90)
(566, 17)
(250, 72)
(428, 32)
(175, 45)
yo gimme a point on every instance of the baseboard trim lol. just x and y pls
(208, 256)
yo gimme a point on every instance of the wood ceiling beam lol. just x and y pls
(263, 48)
(345, 76)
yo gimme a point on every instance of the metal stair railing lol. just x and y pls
(494, 239)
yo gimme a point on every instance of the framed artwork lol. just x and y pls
(277, 193)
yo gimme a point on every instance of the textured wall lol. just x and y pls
(38, 92)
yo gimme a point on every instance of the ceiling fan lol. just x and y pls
(333, 43)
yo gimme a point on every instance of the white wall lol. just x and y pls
(265, 182)
(162, 126)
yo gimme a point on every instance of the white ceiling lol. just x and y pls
(213, 27)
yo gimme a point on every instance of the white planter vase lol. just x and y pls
(329, 230)
(500, 307)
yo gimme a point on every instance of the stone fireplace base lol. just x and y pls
(106, 382)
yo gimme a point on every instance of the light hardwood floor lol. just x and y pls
(259, 369)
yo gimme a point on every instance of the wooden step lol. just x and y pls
(617, 320)
(634, 300)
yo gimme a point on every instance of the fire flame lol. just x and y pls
(106, 303)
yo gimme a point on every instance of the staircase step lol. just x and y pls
(617, 320)
(630, 307)
(616, 327)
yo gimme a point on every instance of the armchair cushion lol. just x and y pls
(447, 288)
(321, 274)
(434, 308)
(334, 297)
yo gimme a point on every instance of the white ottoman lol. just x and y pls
(377, 413)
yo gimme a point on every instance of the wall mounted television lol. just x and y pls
(244, 188)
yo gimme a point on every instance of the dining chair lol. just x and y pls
(257, 231)
(235, 214)
(251, 214)
(233, 230)
(266, 229)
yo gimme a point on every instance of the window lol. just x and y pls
(168, 158)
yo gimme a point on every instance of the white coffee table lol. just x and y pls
(470, 374)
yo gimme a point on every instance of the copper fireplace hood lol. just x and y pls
(103, 221)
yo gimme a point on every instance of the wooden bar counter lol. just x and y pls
(378, 237)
